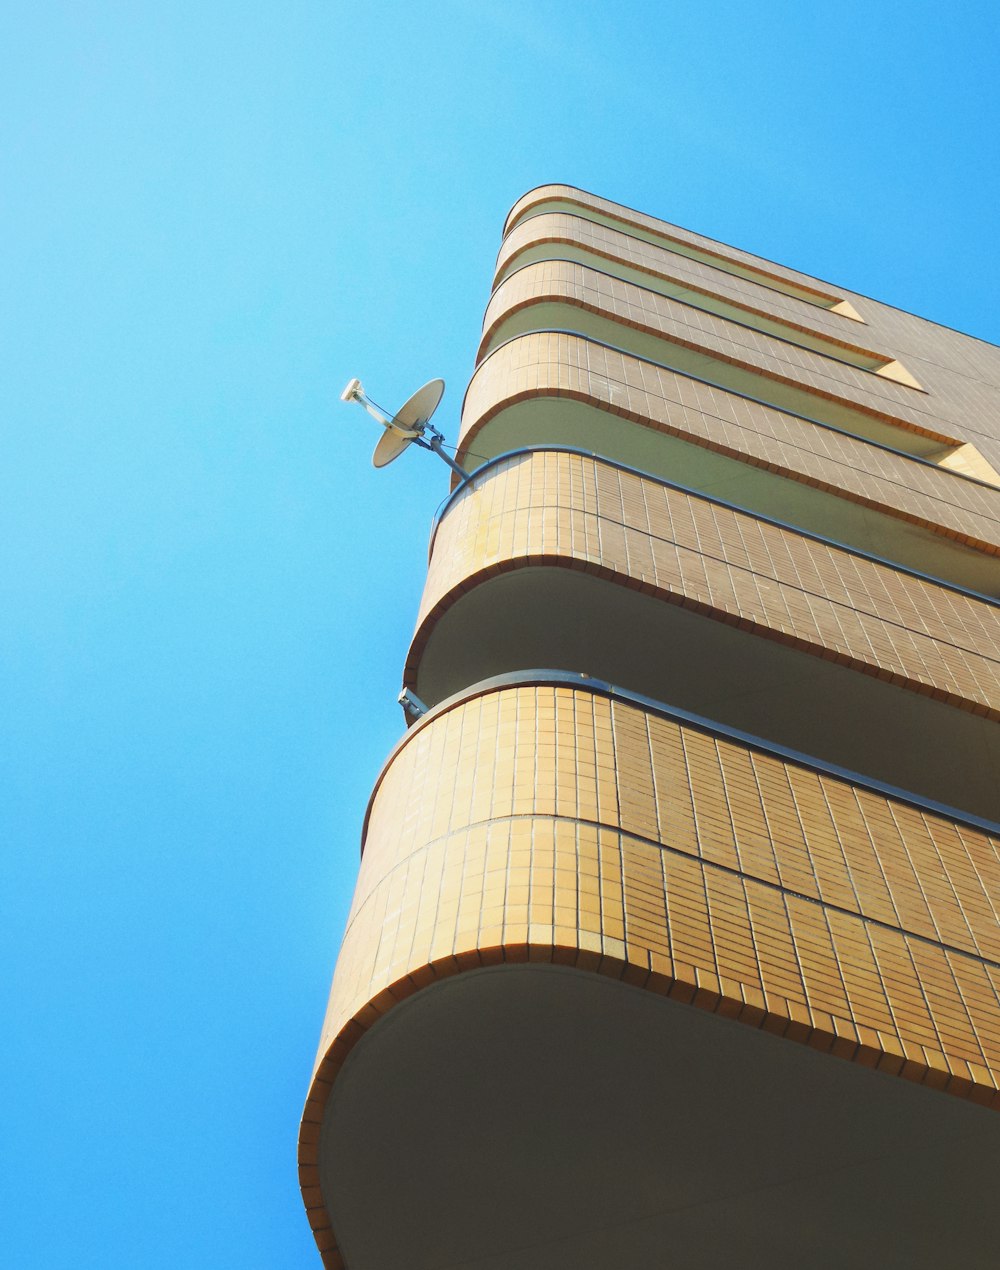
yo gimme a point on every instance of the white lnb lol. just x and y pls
(353, 391)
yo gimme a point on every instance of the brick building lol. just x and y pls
(675, 939)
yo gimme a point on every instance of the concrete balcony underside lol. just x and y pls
(562, 389)
(563, 561)
(561, 1033)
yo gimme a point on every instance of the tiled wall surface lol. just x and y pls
(961, 374)
(618, 247)
(560, 365)
(570, 510)
(561, 281)
(547, 822)
(583, 202)
(566, 826)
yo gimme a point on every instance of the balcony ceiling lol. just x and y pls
(562, 619)
(536, 1117)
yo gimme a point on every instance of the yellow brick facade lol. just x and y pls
(571, 511)
(569, 366)
(569, 827)
(545, 816)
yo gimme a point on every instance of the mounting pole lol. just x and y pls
(435, 443)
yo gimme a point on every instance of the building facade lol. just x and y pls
(675, 939)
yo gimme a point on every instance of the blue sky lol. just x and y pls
(212, 215)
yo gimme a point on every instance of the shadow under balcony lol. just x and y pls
(592, 994)
(518, 582)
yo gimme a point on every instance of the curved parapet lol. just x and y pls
(583, 868)
(554, 199)
(561, 559)
(958, 372)
(564, 389)
(559, 240)
(611, 249)
(615, 914)
(581, 513)
(716, 346)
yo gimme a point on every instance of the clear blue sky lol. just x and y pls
(212, 215)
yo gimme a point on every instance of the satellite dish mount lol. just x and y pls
(411, 424)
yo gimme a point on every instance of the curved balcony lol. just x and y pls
(557, 388)
(781, 283)
(563, 560)
(570, 235)
(958, 372)
(512, 1072)
(563, 295)
(558, 243)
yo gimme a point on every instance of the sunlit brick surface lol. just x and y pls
(561, 281)
(546, 823)
(627, 219)
(564, 825)
(573, 511)
(961, 374)
(561, 229)
(542, 821)
(569, 366)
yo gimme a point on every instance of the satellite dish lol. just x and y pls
(417, 410)
(412, 422)
(408, 423)
(391, 445)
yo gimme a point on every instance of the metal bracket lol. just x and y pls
(413, 707)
